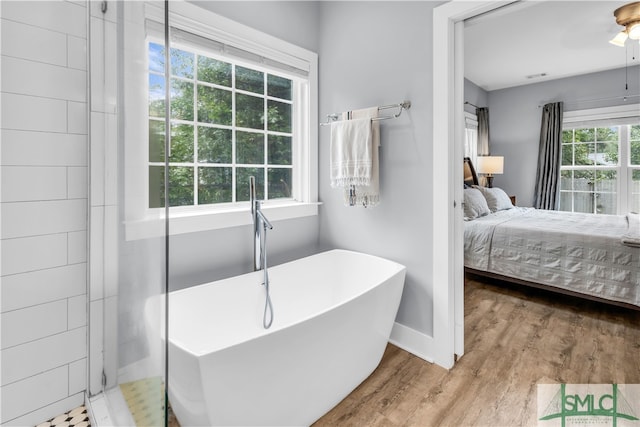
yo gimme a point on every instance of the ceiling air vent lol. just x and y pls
(536, 76)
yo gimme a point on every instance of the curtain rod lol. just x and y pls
(587, 100)
(473, 105)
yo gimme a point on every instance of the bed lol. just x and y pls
(572, 253)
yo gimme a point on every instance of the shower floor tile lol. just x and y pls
(145, 399)
(77, 417)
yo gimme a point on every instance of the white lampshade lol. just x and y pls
(619, 39)
(633, 30)
(490, 164)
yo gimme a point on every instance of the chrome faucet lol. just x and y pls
(260, 249)
(258, 219)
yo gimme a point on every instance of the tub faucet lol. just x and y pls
(260, 249)
(258, 220)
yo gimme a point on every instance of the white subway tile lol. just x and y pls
(76, 52)
(34, 392)
(33, 323)
(28, 42)
(47, 353)
(110, 265)
(77, 376)
(38, 287)
(77, 182)
(96, 254)
(49, 411)
(97, 154)
(110, 319)
(33, 253)
(77, 247)
(64, 17)
(25, 148)
(22, 219)
(23, 112)
(38, 79)
(111, 160)
(30, 183)
(77, 312)
(96, 326)
(77, 117)
(103, 66)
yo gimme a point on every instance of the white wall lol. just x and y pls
(44, 209)
(515, 116)
(377, 53)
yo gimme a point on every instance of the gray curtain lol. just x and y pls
(548, 175)
(483, 138)
(483, 131)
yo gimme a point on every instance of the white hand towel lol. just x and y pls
(632, 237)
(351, 153)
(369, 195)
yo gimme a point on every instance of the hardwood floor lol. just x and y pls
(515, 338)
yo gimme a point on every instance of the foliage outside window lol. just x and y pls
(228, 122)
(600, 170)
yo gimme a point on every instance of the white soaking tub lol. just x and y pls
(333, 314)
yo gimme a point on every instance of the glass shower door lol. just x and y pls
(129, 245)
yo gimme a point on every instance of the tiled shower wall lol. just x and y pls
(44, 209)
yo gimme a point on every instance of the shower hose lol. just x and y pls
(268, 307)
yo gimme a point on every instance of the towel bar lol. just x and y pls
(404, 105)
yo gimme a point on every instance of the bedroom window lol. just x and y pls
(600, 169)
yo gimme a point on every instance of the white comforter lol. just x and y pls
(579, 252)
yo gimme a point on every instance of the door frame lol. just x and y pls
(448, 127)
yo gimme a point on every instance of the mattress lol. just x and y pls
(579, 252)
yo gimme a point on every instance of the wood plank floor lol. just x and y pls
(515, 338)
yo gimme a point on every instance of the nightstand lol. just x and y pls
(513, 200)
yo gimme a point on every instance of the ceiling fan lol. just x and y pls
(629, 17)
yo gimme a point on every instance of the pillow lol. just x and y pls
(475, 205)
(497, 199)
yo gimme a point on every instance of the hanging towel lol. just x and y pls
(632, 237)
(367, 195)
(351, 152)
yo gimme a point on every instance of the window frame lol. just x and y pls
(142, 221)
(621, 116)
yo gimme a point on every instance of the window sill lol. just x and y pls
(192, 221)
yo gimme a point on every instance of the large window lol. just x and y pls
(600, 170)
(228, 122)
(242, 103)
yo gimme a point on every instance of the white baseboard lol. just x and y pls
(412, 341)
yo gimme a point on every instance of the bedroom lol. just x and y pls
(598, 97)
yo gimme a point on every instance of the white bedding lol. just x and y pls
(574, 251)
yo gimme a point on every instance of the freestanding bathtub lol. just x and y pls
(333, 314)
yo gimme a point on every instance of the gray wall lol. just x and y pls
(377, 53)
(197, 258)
(200, 257)
(387, 59)
(475, 95)
(515, 117)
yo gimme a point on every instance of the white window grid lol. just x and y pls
(233, 128)
(627, 191)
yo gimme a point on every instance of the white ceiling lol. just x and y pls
(559, 38)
